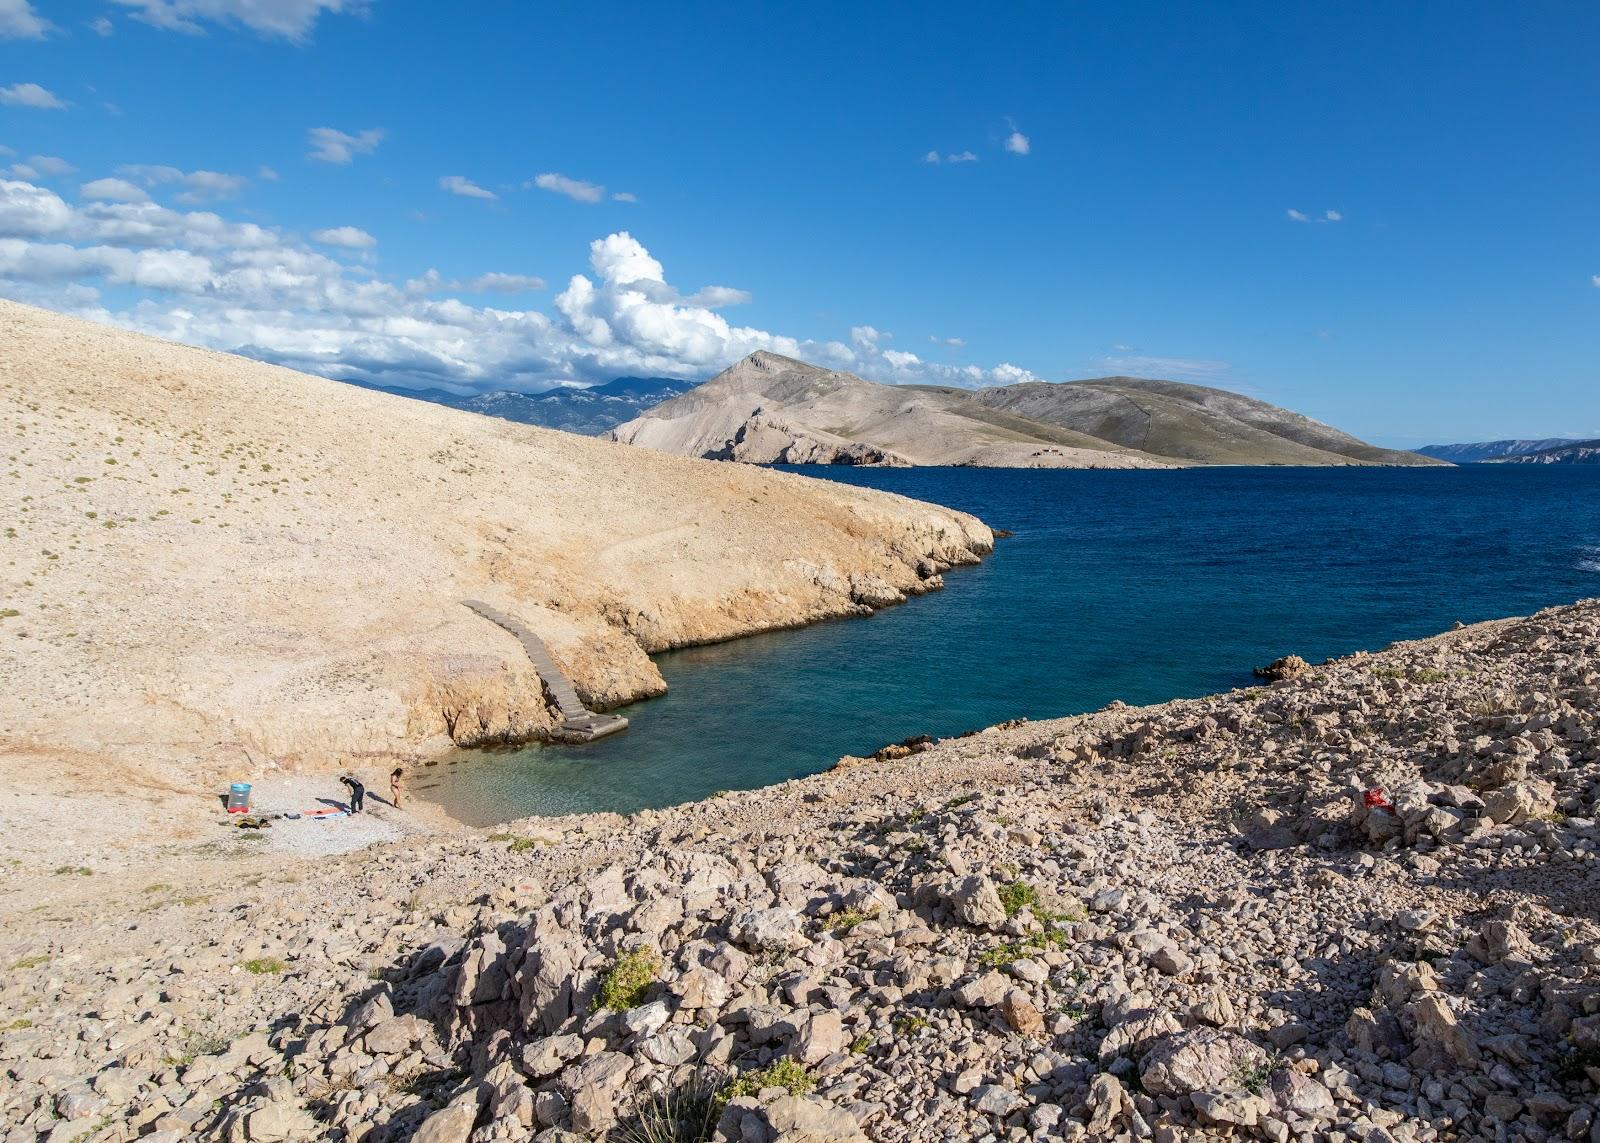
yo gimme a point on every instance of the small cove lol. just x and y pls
(1140, 586)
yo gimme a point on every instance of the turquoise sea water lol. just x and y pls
(1142, 586)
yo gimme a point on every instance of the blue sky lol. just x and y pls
(286, 178)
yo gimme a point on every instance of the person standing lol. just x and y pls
(358, 792)
(396, 777)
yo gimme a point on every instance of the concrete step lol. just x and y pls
(579, 723)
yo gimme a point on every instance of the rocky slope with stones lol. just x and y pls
(1360, 904)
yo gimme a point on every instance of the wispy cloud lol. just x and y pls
(1325, 216)
(952, 342)
(465, 187)
(1595, 279)
(715, 297)
(101, 26)
(42, 166)
(1164, 368)
(20, 21)
(505, 283)
(953, 157)
(30, 95)
(284, 19)
(329, 145)
(575, 189)
(197, 186)
(624, 196)
(347, 237)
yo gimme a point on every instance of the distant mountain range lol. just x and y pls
(1572, 452)
(589, 412)
(773, 409)
(1480, 451)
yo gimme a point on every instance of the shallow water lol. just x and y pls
(1142, 586)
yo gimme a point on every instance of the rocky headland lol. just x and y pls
(1361, 903)
(215, 568)
(771, 409)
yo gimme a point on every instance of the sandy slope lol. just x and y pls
(210, 566)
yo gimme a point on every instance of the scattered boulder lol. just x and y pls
(975, 901)
(1202, 1059)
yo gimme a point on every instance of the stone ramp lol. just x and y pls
(578, 722)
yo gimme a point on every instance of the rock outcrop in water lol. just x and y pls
(1357, 905)
(214, 567)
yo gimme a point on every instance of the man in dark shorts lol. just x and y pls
(357, 791)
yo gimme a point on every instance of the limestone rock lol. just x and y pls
(975, 901)
(1201, 1059)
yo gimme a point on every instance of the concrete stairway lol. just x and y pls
(578, 723)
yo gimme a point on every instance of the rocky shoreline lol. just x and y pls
(1362, 903)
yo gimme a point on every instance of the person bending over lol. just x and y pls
(358, 792)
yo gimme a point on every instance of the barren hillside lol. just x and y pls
(770, 409)
(211, 566)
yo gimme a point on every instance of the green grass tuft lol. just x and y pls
(628, 979)
(787, 1074)
(1017, 896)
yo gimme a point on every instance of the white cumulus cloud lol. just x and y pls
(457, 184)
(285, 19)
(1017, 143)
(348, 237)
(575, 189)
(330, 145)
(30, 95)
(112, 190)
(200, 278)
(19, 20)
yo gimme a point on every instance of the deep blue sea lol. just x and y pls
(1140, 586)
